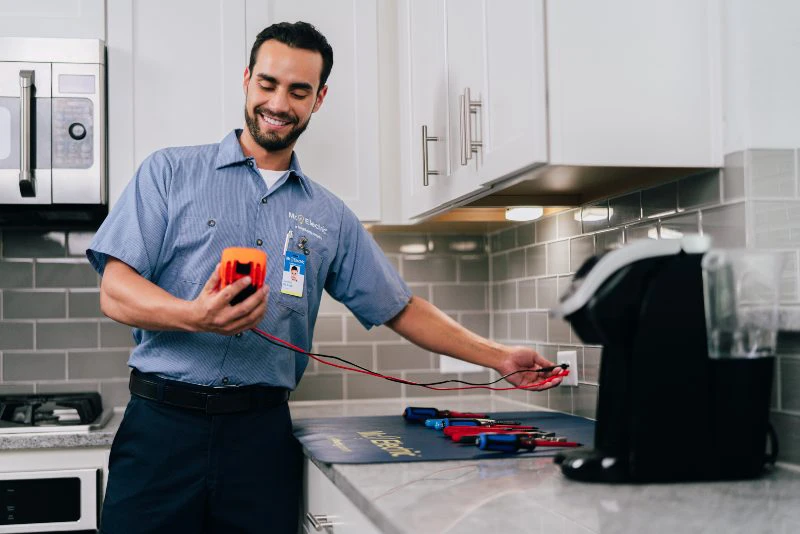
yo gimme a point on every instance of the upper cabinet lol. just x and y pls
(472, 90)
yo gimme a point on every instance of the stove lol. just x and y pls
(52, 412)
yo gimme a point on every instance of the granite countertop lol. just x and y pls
(531, 494)
(56, 440)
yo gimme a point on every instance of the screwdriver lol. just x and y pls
(420, 414)
(514, 442)
(470, 434)
(439, 424)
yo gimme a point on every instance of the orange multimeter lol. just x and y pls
(238, 262)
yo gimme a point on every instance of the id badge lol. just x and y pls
(294, 274)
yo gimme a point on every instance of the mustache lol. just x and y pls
(280, 116)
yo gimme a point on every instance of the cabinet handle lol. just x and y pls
(471, 107)
(425, 171)
(319, 522)
(27, 183)
(463, 119)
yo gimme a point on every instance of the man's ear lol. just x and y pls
(246, 79)
(320, 97)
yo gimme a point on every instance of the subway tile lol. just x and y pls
(547, 293)
(477, 378)
(699, 190)
(677, 226)
(526, 294)
(332, 306)
(16, 335)
(34, 244)
(536, 260)
(733, 177)
(18, 366)
(609, 240)
(591, 364)
(560, 399)
(500, 326)
(537, 326)
(775, 224)
(358, 354)
(34, 304)
(328, 329)
(569, 223)
(558, 331)
(367, 387)
(585, 397)
(790, 384)
(499, 267)
(507, 296)
(459, 244)
(84, 303)
(16, 274)
(78, 242)
(429, 269)
(625, 209)
(355, 331)
(526, 234)
(98, 364)
(595, 216)
(405, 356)
(548, 351)
(460, 297)
(546, 229)
(61, 274)
(66, 386)
(319, 387)
(787, 427)
(16, 389)
(477, 322)
(69, 335)
(558, 257)
(114, 392)
(473, 269)
(117, 335)
(725, 225)
(580, 250)
(402, 243)
(538, 399)
(660, 200)
(503, 240)
(789, 278)
(516, 263)
(421, 290)
(517, 324)
(427, 377)
(771, 173)
(647, 230)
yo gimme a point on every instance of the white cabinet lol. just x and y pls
(340, 149)
(634, 83)
(326, 506)
(472, 76)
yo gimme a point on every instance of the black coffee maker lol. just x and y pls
(665, 410)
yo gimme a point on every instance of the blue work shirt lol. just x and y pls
(186, 204)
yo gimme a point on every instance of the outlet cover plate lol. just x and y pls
(570, 357)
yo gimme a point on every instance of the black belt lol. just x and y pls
(211, 400)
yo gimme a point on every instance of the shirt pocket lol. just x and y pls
(200, 242)
(310, 284)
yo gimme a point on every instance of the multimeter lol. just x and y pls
(238, 262)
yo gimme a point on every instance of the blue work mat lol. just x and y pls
(389, 438)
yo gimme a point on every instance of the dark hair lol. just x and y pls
(294, 268)
(297, 35)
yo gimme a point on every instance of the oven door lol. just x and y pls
(25, 133)
(49, 501)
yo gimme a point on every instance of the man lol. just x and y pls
(206, 443)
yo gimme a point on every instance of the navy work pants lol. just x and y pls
(174, 470)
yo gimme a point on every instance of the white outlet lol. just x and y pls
(569, 357)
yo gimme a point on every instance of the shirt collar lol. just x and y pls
(230, 153)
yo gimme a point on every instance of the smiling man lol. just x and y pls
(206, 442)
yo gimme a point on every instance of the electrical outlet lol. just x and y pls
(570, 357)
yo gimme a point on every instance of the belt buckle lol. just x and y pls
(217, 404)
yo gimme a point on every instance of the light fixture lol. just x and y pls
(414, 248)
(524, 213)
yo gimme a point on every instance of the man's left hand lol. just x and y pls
(519, 358)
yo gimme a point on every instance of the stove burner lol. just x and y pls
(56, 409)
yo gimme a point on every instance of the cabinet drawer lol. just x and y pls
(335, 513)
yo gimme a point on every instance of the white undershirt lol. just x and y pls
(270, 177)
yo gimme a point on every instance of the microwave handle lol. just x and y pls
(27, 184)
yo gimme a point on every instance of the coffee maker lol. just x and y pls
(665, 410)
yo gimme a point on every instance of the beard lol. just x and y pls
(272, 141)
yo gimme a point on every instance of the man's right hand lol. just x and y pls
(212, 311)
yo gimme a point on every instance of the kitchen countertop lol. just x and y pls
(531, 494)
(56, 440)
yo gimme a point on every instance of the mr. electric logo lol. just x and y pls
(301, 219)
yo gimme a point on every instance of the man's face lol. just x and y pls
(294, 275)
(281, 93)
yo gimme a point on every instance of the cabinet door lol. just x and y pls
(423, 104)
(515, 114)
(171, 83)
(340, 148)
(323, 500)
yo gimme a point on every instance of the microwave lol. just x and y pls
(52, 130)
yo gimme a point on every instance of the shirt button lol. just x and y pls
(239, 334)
(212, 223)
(250, 162)
(259, 242)
(225, 380)
(264, 200)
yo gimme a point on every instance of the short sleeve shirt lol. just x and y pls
(185, 205)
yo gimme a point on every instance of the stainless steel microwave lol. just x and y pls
(52, 130)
